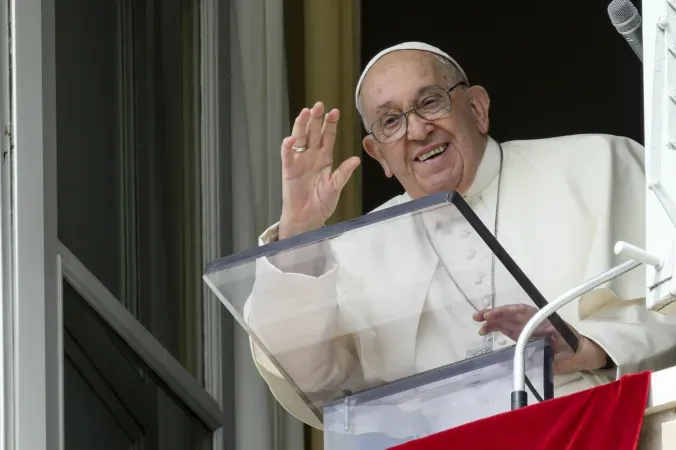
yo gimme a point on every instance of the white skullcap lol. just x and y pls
(404, 46)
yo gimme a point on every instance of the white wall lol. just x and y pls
(659, 70)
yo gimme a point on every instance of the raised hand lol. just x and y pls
(310, 188)
(510, 321)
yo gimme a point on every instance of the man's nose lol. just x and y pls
(418, 128)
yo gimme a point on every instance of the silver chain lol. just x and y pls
(495, 234)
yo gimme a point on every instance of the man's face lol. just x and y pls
(392, 85)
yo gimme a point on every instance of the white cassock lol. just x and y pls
(564, 203)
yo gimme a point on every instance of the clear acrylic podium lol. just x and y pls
(434, 401)
(365, 328)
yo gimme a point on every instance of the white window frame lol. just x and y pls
(34, 262)
(34, 400)
(659, 103)
(6, 240)
(177, 379)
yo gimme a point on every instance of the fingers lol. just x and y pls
(298, 137)
(500, 321)
(314, 127)
(509, 320)
(312, 130)
(329, 129)
(494, 314)
(288, 151)
(342, 174)
(500, 312)
(300, 127)
(511, 330)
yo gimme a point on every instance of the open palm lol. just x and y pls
(310, 186)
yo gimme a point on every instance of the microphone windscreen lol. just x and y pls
(624, 15)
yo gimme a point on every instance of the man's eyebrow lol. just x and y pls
(389, 104)
(386, 105)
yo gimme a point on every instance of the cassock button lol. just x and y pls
(465, 233)
(502, 340)
(479, 278)
(487, 301)
(471, 254)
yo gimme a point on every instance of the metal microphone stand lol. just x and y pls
(638, 257)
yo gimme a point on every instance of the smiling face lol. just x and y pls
(433, 155)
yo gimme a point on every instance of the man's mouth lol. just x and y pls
(432, 153)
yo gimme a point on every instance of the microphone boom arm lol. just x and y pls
(519, 396)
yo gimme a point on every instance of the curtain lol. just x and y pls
(283, 56)
(259, 120)
(324, 60)
(323, 47)
(332, 61)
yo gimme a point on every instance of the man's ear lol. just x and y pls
(480, 104)
(371, 147)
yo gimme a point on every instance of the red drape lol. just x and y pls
(604, 417)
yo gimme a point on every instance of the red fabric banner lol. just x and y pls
(604, 417)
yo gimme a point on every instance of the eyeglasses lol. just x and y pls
(432, 105)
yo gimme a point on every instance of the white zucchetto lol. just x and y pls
(404, 46)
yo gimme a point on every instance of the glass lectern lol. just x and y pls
(433, 401)
(366, 327)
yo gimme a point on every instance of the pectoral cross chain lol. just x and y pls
(485, 348)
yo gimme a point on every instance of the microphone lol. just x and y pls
(626, 19)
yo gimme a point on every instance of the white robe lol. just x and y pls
(564, 203)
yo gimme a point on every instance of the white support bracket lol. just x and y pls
(661, 290)
(659, 78)
(632, 252)
(661, 293)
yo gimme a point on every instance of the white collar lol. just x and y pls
(485, 174)
(488, 169)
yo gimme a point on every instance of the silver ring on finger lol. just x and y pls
(299, 149)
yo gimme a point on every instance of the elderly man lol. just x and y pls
(557, 206)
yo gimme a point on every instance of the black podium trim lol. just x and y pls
(514, 269)
(549, 373)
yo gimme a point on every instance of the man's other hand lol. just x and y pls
(510, 321)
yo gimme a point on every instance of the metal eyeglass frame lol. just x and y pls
(413, 109)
